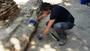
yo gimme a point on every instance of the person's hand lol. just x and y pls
(42, 36)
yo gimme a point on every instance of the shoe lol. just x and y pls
(62, 39)
(62, 42)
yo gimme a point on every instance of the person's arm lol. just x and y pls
(42, 15)
(48, 27)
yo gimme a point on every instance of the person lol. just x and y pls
(60, 18)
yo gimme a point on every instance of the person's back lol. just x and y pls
(60, 14)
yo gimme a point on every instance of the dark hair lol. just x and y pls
(45, 6)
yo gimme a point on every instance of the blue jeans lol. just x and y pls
(58, 27)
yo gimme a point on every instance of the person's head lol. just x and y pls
(46, 8)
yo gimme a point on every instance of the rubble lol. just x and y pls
(8, 11)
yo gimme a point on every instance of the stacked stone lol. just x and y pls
(8, 11)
